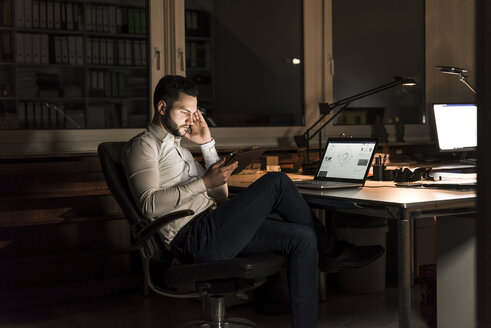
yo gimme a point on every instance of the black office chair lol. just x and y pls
(164, 275)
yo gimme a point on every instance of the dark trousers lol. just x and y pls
(240, 226)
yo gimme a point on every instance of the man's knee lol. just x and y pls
(306, 239)
(277, 177)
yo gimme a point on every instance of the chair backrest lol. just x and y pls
(109, 156)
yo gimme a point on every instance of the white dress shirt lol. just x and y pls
(164, 177)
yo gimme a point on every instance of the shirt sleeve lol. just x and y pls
(210, 154)
(142, 170)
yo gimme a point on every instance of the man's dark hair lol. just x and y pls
(169, 87)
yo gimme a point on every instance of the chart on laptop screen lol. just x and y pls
(346, 160)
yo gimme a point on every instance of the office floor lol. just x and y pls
(135, 310)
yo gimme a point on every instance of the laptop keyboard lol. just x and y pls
(325, 183)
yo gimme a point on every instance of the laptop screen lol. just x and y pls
(347, 158)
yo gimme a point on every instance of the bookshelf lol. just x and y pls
(74, 64)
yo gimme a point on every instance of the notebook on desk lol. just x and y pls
(345, 164)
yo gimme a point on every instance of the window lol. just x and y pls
(246, 57)
(372, 43)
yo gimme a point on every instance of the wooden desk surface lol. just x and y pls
(373, 193)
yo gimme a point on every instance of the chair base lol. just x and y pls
(227, 323)
(215, 316)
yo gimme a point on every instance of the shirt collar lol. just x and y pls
(162, 133)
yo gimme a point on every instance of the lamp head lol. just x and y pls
(405, 82)
(459, 72)
(408, 83)
(452, 70)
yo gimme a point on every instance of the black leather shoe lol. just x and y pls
(349, 256)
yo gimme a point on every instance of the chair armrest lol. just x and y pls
(158, 223)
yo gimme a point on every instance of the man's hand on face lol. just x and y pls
(199, 132)
(218, 175)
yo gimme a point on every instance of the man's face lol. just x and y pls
(178, 119)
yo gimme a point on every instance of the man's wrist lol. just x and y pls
(208, 143)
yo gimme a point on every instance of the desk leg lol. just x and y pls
(404, 268)
(322, 284)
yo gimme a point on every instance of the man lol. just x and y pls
(164, 177)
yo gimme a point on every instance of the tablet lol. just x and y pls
(243, 157)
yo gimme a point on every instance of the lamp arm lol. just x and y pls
(463, 79)
(365, 94)
(327, 122)
(345, 102)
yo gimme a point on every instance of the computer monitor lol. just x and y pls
(456, 127)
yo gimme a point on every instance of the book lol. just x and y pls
(95, 51)
(57, 48)
(64, 50)
(28, 13)
(21, 114)
(143, 21)
(49, 15)
(35, 13)
(42, 14)
(143, 48)
(121, 52)
(36, 48)
(131, 21)
(102, 51)
(72, 50)
(19, 13)
(69, 16)
(112, 19)
(27, 48)
(88, 18)
(99, 18)
(80, 50)
(5, 13)
(110, 52)
(57, 15)
(44, 49)
(5, 47)
(88, 57)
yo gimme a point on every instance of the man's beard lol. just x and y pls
(170, 125)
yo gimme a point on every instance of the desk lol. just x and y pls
(383, 199)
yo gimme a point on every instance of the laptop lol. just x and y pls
(345, 164)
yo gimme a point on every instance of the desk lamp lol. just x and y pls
(326, 108)
(459, 72)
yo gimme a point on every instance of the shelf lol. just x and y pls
(68, 55)
(48, 31)
(43, 66)
(117, 67)
(116, 99)
(118, 35)
(58, 99)
(123, 3)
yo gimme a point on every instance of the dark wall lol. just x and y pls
(483, 30)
